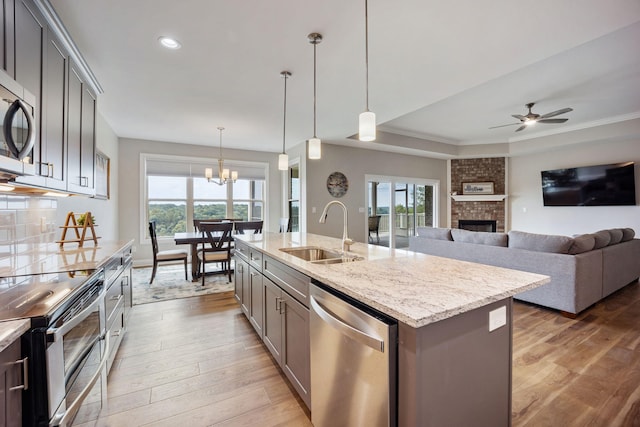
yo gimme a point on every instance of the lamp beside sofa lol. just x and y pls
(583, 269)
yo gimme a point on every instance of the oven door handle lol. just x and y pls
(63, 418)
(72, 323)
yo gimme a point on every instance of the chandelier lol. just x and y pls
(223, 174)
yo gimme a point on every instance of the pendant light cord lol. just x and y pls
(220, 129)
(314, 89)
(285, 74)
(366, 49)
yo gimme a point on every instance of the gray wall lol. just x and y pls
(130, 191)
(355, 163)
(525, 192)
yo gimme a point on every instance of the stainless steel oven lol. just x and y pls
(76, 353)
(66, 346)
(18, 135)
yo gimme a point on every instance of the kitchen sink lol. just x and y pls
(319, 255)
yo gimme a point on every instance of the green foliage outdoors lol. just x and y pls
(171, 218)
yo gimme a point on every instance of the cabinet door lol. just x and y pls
(125, 283)
(295, 353)
(80, 134)
(30, 40)
(88, 140)
(53, 145)
(238, 274)
(10, 376)
(272, 325)
(246, 290)
(73, 128)
(6, 37)
(255, 305)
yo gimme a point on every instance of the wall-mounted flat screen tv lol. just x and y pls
(600, 185)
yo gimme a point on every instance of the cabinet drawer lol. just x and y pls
(241, 250)
(291, 281)
(115, 332)
(112, 299)
(255, 259)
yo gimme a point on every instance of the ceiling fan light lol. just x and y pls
(530, 122)
(315, 148)
(283, 162)
(367, 126)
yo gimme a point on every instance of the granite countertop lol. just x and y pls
(11, 331)
(53, 258)
(414, 288)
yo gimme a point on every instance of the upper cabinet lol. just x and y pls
(81, 134)
(41, 57)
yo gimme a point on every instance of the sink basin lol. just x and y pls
(319, 255)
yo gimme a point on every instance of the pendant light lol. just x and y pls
(315, 148)
(367, 120)
(223, 174)
(283, 159)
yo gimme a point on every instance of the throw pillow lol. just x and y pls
(435, 233)
(627, 234)
(479, 237)
(540, 242)
(616, 236)
(603, 237)
(582, 243)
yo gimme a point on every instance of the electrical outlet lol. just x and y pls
(313, 209)
(497, 318)
(361, 209)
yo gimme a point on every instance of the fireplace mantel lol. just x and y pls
(478, 197)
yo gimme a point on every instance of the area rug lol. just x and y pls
(169, 284)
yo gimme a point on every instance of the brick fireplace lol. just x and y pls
(479, 170)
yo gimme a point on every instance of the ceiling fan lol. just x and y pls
(533, 118)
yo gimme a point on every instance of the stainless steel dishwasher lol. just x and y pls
(353, 362)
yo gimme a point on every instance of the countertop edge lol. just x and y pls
(12, 330)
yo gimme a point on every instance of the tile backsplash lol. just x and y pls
(24, 222)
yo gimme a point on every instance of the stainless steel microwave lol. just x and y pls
(18, 136)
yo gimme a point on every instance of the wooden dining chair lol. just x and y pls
(216, 247)
(164, 256)
(242, 226)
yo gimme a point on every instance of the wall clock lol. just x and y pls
(337, 184)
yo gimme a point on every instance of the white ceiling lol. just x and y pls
(441, 72)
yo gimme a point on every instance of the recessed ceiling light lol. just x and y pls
(169, 43)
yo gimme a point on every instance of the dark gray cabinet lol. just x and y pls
(6, 37)
(117, 299)
(81, 134)
(274, 298)
(256, 308)
(11, 377)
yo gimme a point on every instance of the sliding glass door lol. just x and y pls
(398, 206)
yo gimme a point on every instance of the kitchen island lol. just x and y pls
(454, 321)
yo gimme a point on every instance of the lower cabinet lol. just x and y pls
(256, 308)
(11, 378)
(262, 287)
(118, 272)
(286, 335)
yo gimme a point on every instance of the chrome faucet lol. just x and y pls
(346, 241)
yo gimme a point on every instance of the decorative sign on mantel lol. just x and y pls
(477, 188)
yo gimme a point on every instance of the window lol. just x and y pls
(293, 191)
(167, 203)
(177, 193)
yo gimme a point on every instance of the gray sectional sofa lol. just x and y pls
(583, 269)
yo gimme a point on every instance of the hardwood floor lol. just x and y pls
(198, 362)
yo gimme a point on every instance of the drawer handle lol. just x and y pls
(25, 375)
(116, 333)
(116, 297)
(125, 281)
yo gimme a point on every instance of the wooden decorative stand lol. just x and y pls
(80, 236)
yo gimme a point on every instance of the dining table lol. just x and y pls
(193, 238)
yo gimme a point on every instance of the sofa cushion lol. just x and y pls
(616, 236)
(435, 233)
(540, 242)
(603, 237)
(582, 243)
(479, 237)
(627, 234)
